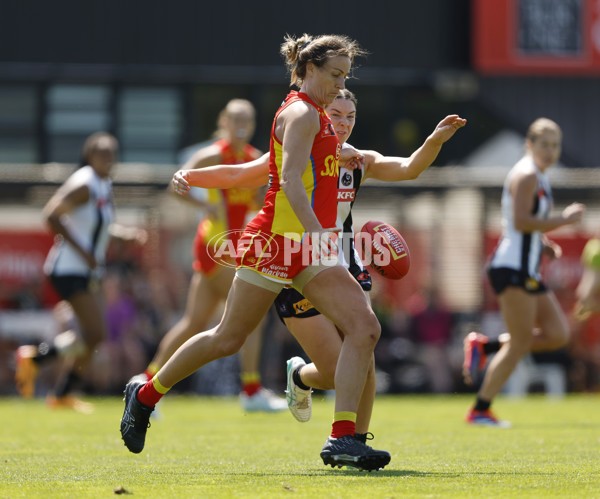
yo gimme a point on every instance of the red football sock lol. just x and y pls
(251, 388)
(251, 383)
(344, 423)
(151, 392)
(151, 370)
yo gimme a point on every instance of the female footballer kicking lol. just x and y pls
(317, 335)
(299, 212)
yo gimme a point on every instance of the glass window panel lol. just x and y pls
(64, 122)
(150, 124)
(73, 113)
(18, 150)
(66, 148)
(79, 96)
(18, 115)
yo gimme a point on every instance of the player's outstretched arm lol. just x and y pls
(251, 175)
(390, 168)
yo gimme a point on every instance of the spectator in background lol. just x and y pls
(399, 371)
(431, 330)
(122, 353)
(81, 214)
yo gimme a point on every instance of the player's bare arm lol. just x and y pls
(523, 189)
(391, 169)
(248, 175)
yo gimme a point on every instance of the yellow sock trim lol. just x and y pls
(153, 368)
(250, 377)
(158, 386)
(344, 416)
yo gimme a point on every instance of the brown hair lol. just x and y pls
(96, 142)
(297, 52)
(541, 125)
(345, 94)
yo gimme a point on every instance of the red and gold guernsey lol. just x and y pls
(273, 241)
(320, 179)
(233, 206)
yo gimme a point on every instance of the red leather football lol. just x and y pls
(384, 249)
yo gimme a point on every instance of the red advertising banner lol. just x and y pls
(23, 253)
(534, 37)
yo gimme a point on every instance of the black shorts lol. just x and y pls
(503, 277)
(68, 285)
(290, 303)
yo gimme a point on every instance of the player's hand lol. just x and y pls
(581, 313)
(573, 213)
(140, 236)
(552, 250)
(129, 234)
(447, 128)
(325, 243)
(351, 158)
(180, 183)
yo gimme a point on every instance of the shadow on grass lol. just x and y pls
(380, 473)
(390, 473)
(342, 472)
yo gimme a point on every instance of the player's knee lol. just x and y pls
(230, 344)
(368, 330)
(229, 348)
(374, 329)
(518, 348)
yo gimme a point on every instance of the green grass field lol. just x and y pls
(206, 447)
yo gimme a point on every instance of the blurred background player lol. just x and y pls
(81, 214)
(226, 210)
(531, 312)
(588, 289)
(585, 344)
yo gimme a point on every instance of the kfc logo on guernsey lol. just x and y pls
(346, 187)
(346, 195)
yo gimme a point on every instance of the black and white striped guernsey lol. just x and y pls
(348, 184)
(88, 224)
(522, 251)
